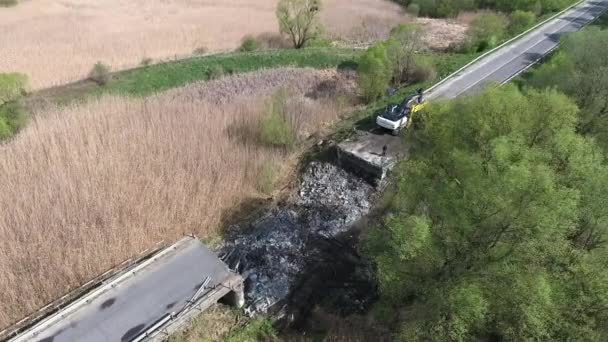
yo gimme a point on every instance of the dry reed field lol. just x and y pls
(89, 185)
(58, 41)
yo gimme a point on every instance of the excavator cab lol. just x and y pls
(397, 116)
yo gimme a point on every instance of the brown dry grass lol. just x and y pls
(58, 41)
(440, 34)
(86, 186)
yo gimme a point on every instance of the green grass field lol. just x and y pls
(155, 78)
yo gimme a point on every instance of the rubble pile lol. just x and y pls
(278, 245)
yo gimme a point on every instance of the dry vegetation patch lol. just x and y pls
(90, 185)
(58, 41)
(440, 34)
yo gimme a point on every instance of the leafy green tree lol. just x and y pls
(375, 71)
(497, 227)
(298, 19)
(580, 69)
(521, 21)
(487, 30)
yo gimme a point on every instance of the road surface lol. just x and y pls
(128, 307)
(505, 63)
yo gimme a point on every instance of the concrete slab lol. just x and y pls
(363, 153)
(131, 303)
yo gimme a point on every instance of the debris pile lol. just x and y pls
(275, 249)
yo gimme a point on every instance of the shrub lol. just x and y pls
(422, 71)
(248, 44)
(520, 21)
(320, 40)
(266, 178)
(200, 51)
(275, 128)
(487, 30)
(216, 71)
(8, 3)
(12, 86)
(12, 119)
(146, 61)
(374, 71)
(100, 74)
(413, 9)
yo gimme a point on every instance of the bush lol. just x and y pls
(12, 119)
(413, 9)
(487, 30)
(200, 51)
(521, 21)
(12, 86)
(216, 71)
(266, 178)
(100, 74)
(248, 44)
(275, 128)
(320, 40)
(8, 3)
(146, 61)
(422, 71)
(374, 71)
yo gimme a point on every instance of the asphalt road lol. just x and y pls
(126, 309)
(504, 64)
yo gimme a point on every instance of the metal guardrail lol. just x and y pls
(75, 294)
(510, 41)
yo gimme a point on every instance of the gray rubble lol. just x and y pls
(275, 248)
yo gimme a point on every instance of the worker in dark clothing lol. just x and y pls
(384, 149)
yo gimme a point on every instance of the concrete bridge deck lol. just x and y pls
(160, 290)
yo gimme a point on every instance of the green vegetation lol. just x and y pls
(497, 229)
(395, 60)
(258, 329)
(375, 72)
(266, 181)
(159, 77)
(298, 20)
(403, 44)
(521, 21)
(487, 31)
(443, 64)
(580, 69)
(249, 44)
(8, 3)
(100, 74)
(223, 323)
(451, 8)
(12, 114)
(275, 128)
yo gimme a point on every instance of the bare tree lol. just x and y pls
(298, 19)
